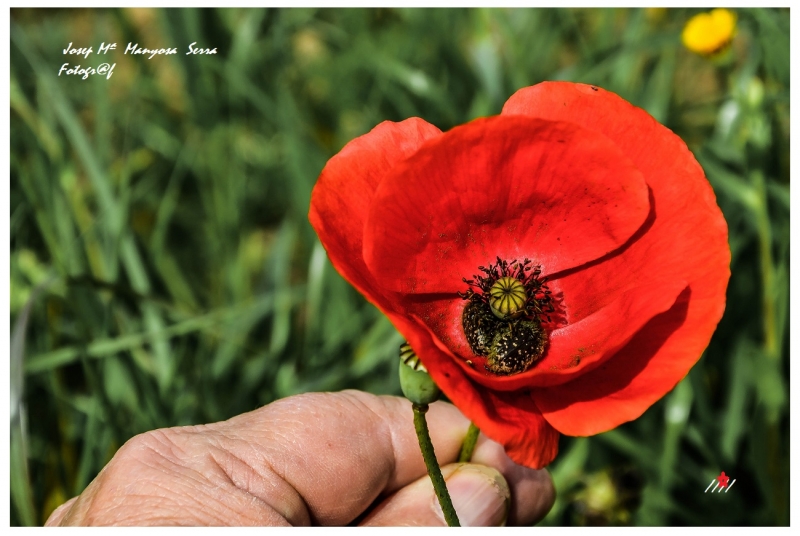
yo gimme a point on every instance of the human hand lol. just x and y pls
(312, 459)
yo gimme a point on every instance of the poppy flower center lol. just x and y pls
(502, 321)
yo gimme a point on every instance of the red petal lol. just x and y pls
(685, 238)
(346, 187)
(585, 344)
(511, 419)
(501, 186)
(621, 389)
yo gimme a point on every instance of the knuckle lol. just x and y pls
(150, 446)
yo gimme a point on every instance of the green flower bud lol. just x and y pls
(416, 383)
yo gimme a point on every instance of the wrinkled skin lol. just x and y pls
(314, 459)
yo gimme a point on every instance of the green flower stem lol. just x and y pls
(469, 443)
(771, 343)
(767, 268)
(434, 471)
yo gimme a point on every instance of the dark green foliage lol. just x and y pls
(163, 271)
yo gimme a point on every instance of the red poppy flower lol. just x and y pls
(599, 215)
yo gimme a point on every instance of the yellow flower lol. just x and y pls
(710, 33)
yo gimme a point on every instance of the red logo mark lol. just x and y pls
(723, 481)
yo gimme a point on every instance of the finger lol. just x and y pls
(316, 458)
(156, 480)
(58, 514)
(480, 497)
(532, 491)
(335, 453)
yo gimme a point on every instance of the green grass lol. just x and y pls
(163, 271)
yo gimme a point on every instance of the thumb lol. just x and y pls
(480, 496)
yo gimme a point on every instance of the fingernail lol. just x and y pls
(480, 496)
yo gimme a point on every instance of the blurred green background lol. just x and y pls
(163, 271)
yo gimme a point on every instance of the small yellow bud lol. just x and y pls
(708, 34)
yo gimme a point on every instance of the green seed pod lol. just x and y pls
(416, 383)
(507, 298)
